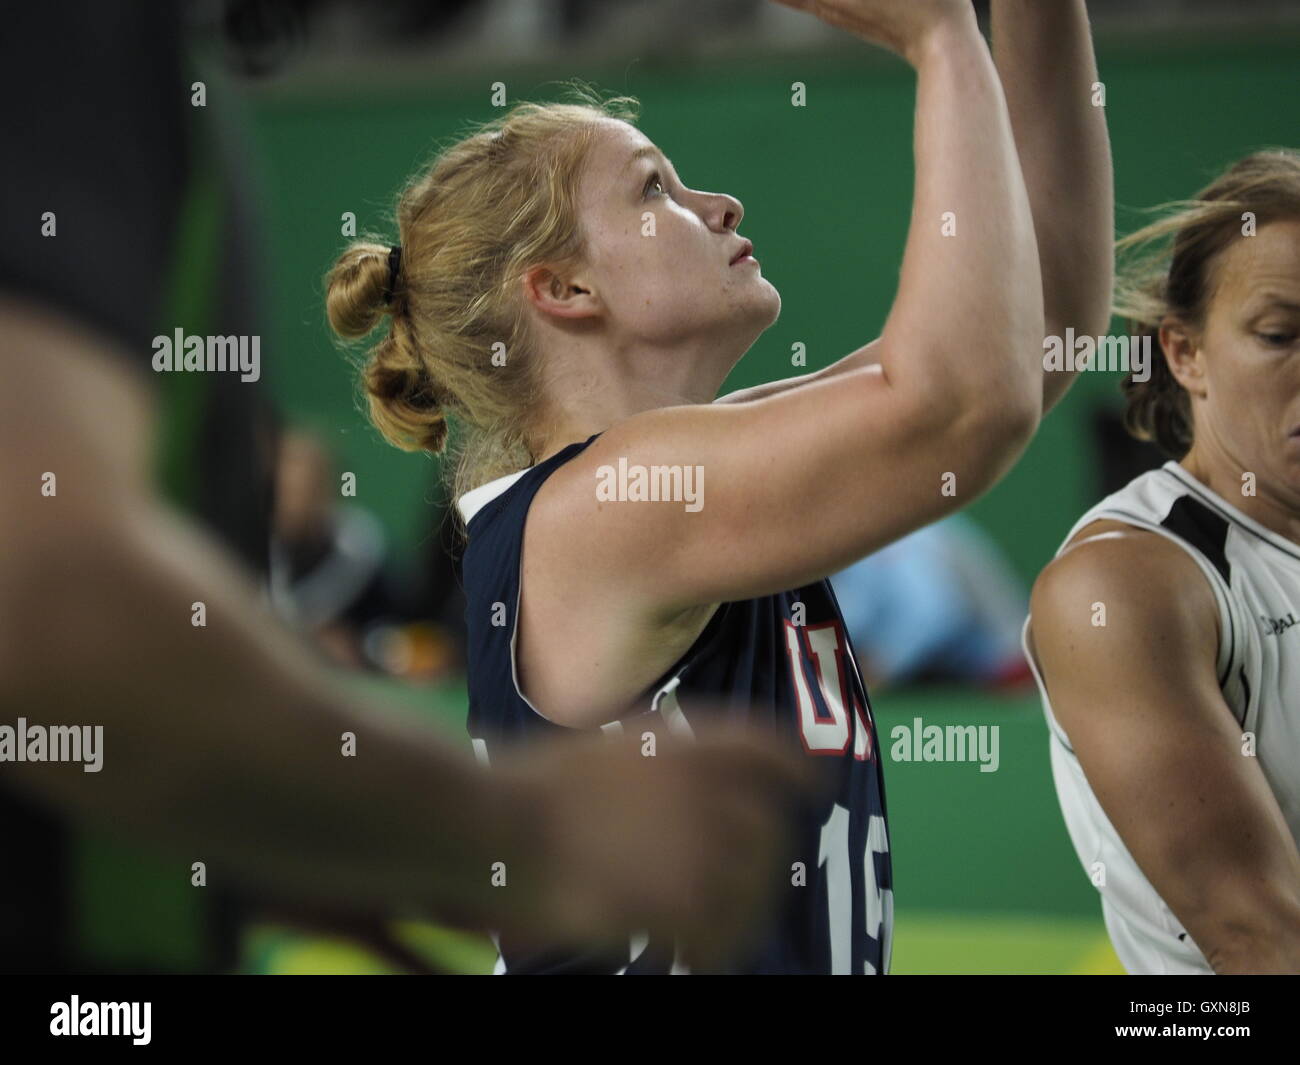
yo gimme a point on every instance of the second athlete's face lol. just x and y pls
(659, 255)
(1250, 347)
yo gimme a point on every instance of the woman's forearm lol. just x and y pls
(966, 326)
(1045, 59)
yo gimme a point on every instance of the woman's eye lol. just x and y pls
(654, 180)
(1276, 340)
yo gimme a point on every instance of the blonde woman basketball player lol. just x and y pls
(1175, 715)
(581, 359)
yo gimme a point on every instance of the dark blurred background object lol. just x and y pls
(263, 35)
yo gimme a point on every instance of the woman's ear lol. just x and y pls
(552, 291)
(1181, 344)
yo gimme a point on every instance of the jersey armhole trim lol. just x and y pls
(1053, 726)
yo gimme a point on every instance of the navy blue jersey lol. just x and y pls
(783, 661)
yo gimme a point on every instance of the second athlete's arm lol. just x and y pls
(1139, 699)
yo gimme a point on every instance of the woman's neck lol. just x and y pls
(1257, 498)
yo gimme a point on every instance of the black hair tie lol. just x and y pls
(394, 265)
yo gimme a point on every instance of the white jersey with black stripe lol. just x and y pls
(1255, 576)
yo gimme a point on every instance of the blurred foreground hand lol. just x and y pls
(689, 842)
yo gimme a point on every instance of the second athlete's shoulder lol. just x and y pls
(1135, 582)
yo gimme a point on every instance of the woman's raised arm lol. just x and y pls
(797, 485)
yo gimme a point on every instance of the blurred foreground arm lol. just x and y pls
(224, 742)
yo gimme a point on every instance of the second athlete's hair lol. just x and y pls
(1169, 268)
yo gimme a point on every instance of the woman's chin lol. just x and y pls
(772, 304)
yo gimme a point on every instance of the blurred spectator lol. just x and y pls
(330, 575)
(940, 605)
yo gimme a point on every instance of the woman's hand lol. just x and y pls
(902, 26)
